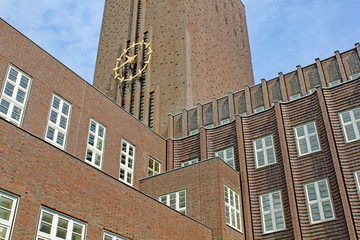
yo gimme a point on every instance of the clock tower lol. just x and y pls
(158, 57)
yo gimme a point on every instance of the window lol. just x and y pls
(232, 208)
(354, 76)
(54, 225)
(227, 155)
(243, 114)
(306, 138)
(175, 200)
(272, 215)
(225, 121)
(127, 161)
(95, 144)
(264, 151)
(112, 236)
(319, 201)
(8, 204)
(14, 96)
(193, 132)
(189, 162)
(350, 121)
(334, 83)
(209, 126)
(357, 179)
(294, 97)
(58, 122)
(259, 109)
(312, 90)
(154, 167)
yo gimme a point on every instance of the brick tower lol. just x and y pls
(200, 50)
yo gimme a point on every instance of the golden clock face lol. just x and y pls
(128, 65)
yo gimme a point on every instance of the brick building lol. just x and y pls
(278, 160)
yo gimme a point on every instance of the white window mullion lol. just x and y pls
(127, 162)
(8, 205)
(180, 199)
(96, 136)
(232, 208)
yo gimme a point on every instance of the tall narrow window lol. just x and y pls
(95, 144)
(151, 110)
(142, 99)
(54, 225)
(272, 214)
(154, 167)
(8, 204)
(350, 121)
(127, 161)
(58, 122)
(175, 200)
(306, 138)
(232, 208)
(319, 201)
(14, 95)
(112, 236)
(264, 151)
(227, 155)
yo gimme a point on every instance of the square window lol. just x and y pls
(264, 151)
(14, 97)
(95, 144)
(307, 140)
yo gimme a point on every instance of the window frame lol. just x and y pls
(357, 180)
(94, 148)
(306, 137)
(272, 211)
(295, 96)
(264, 150)
(190, 161)
(125, 167)
(353, 122)
(182, 210)
(318, 201)
(54, 225)
(225, 160)
(12, 100)
(259, 109)
(9, 224)
(228, 205)
(56, 126)
(113, 236)
(154, 172)
(225, 121)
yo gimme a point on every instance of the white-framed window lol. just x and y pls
(232, 208)
(354, 76)
(154, 167)
(95, 144)
(243, 114)
(357, 179)
(175, 200)
(225, 121)
(112, 236)
(312, 90)
(319, 201)
(272, 214)
(350, 121)
(8, 206)
(15, 95)
(334, 83)
(193, 132)
(58, 123)
(227, 155)
(307, 140)
(209, 126)
(189, 162)
(259, 109)
(264, 151)
(127, 161)
(294, 97)
(55, 226)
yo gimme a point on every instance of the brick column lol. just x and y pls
(244, 180)
(321, 73)
(169, 154)
(184, 119)
(284, 94)
(215, 109)
(357, 46)
(203, 144)
(265, 92)
(248, 99)
(337, 166)
(341, 66)
(170, 126)
(288, 173)
(200, 115)
(230, 96)
(301, 80)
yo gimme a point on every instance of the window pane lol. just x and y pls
(50, 133)
(4, 106)
(65, 109)
(315, 212)
(270, 155)
(3, 231)
(311, 192)
(300, 131)
(24, 82)
(350, 132)
(9, 89)
(60, 139)
(357, 114)
(63, 122)
(5, 214)
(56, 103)
(12, 74)
(53, 116)
(6, 202)
(311, 128)
(258, 144)
(20, 96)
(328, 213)
(323, 189)
(303, 146)
(314, 143)
(346, 117)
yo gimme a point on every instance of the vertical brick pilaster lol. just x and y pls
(357, 46)
(230, 96)
(171, 126)
(203, 144)
(137, 98)
(169, 154)
(284, 93)
(301, 80)
(245, 194)
(184, 119)
(321, 72)
(215, 109)
(148, 85)
(248, 99)
(199, 111)
(157, 109)
(341, 66)
(288, 173)
(337, 166)
(265, 92)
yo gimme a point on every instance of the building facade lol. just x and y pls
(278, 160)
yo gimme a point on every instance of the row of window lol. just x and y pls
(52, 224)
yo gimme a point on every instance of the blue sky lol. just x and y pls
(283, 33)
